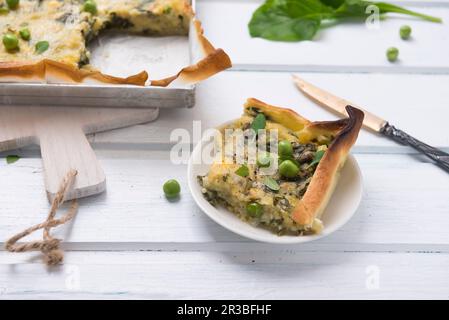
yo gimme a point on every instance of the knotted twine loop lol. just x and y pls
(49, 246)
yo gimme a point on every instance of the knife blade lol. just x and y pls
(373, 122)
(337, 104)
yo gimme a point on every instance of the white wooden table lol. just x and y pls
(132, 243)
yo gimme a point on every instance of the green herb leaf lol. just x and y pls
(243, 171)
(271, 183)
(42, 46)
(167, 10)
(298, 20)
(318, 156)
(12, 159)
(259, 122)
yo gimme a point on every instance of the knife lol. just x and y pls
(372, 122)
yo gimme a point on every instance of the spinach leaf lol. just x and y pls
(357, 9)
(298, 20)
(353, 9)
(288, 20)
(386, 7)
(333, 3)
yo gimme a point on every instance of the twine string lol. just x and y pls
(49, 246)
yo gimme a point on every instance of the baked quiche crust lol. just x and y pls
(296, 205)
(68, 29)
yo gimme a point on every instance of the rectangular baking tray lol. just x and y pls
(120, 55)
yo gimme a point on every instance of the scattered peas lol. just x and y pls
(90, 6)
(4, 10)
(12, 4)
(254, 209)
(10, 41)
(288, 169)
(171, 188)
(285, 149)
(25, 34)
(405, 32)
(392, 54)
(264, 160)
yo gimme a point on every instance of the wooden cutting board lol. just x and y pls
(61, 134)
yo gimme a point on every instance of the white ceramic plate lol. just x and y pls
(341, 207)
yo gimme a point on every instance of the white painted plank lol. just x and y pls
(405, 206)
(418, 105)
(226, 275)
(350, 47)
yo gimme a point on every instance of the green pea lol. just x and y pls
(288, 169)
(392, 54)
(12, 4)
(264, 160)
(10, 41)
(285, 149)
(171, 188)
(25, 34)
(4, 10)
(90, 6)
(405, 32)
(254, 209)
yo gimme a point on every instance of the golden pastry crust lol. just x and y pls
(49, 70)
(343, 133)
(214, 61)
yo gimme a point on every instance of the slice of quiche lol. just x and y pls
(291, 198)
(55, 49)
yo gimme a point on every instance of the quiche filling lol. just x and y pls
(265, 198)
(65, 27)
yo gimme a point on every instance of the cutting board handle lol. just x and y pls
(64, 148)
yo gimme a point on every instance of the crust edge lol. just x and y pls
(327, 172)
(50, 71)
